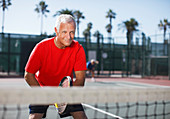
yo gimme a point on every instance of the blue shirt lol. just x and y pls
(90, 66)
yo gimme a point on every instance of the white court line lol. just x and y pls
(143, 84)
(102, 111)
(137, 85)
(134, 84)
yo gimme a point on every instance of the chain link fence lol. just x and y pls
(145, 56)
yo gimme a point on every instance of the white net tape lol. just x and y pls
(49, 95)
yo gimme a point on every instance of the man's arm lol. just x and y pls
(80, 78)
(30, 79)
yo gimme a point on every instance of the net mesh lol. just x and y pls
(98, 102)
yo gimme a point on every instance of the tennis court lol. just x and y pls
(143, 110)
(104, 81)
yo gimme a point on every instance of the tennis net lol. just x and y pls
(98, 102)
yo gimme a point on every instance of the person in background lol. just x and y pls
(91, 68)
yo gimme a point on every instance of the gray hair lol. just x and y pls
(64, 18)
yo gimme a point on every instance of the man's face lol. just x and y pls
(66, 34)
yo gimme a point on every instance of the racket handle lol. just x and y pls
(56, 105)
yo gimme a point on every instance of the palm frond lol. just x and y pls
(111, 14)
(63, 11)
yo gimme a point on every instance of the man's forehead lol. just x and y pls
(67, 25)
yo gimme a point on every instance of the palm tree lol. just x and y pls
(78, 15)
(89, 27)
(111, 15)
(97, 34)
(164, 26)
(130, 26)
(42, 9)
(109, 28)
(87, 33)
(4, 4)
(63, 11)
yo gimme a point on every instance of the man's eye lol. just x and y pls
(72, 32)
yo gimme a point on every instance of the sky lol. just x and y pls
(21, 18)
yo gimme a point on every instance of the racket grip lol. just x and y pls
(56, 105)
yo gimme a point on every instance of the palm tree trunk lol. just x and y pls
(41, 24)
(110, 47)
(77, 30)
(3, 20)
(111, 25)
(164, 40)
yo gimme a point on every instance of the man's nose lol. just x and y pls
(68, 36)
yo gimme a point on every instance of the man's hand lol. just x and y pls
(65, 84)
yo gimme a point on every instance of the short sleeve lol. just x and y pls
(34, 62)
(80, 63)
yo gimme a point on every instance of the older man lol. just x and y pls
(54, 58)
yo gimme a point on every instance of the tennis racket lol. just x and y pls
(65, 82)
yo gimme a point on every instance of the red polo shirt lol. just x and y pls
(51, 64)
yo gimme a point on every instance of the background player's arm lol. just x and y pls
(30, 79)
(80, 78)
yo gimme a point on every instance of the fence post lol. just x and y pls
(101, 49)
(148, 67)
(98, 53)
(86, 47)
(113, 59)
(9, 42)
(143, 54)
(110, 57)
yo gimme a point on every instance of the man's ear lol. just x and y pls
(55, 30)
